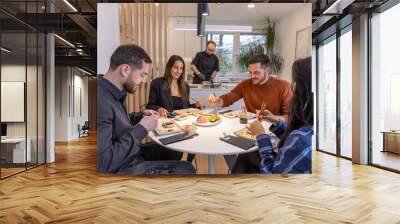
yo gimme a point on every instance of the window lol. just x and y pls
(385, 89)
(229, 46)
(22, 65)
(255, 41)
(224, 50)
(346, 94)
(327, 96)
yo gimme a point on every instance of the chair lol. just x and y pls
(84, 130)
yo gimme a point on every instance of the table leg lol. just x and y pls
(211, 164)
(230, 161)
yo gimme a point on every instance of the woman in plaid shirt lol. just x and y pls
(293, 154)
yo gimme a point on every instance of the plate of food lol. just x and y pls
(187, 111)
(245, 133)
(231, 114)
(206, 121)
(189, 128)
(166, 127)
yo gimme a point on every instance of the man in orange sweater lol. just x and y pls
(260, 87)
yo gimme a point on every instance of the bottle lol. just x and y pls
(243, 115)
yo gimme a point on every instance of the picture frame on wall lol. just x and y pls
(303, 43)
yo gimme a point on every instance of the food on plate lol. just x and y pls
(202, 120)
(188, 128)
(168, 124)
(230, 114)
(213, 118)
(180, 117)
(245, 133)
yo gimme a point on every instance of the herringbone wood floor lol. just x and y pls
(70, 191)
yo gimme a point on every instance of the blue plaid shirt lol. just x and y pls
(293, 157)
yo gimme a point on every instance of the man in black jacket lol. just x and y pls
(119, 134)
(205, 64)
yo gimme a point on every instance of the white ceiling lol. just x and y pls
(236, 11)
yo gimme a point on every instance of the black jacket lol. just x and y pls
(118, 134)
(160, 95)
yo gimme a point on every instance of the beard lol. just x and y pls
(130, 86)
(258, 81)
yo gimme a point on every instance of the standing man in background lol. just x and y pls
(205, 64)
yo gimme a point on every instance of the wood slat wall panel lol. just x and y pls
(145, 25)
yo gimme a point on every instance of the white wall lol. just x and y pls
(286, 36)
(61, 103)
(107, 34)
(183, 43)
(67, 115)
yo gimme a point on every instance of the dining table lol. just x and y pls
(208, 142)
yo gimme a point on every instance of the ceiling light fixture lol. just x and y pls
(157, 4)
(5, 50)
(203, 9)
(251, 6)
(70, 5)
(65, 41)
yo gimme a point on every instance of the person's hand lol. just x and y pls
(199, 104)
(212, 99)
(163, 112)
(149, 122)
(201, 76)
(268, 116)
(256, 128)
(151, 112)
(213, 77)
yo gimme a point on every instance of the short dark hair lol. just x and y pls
(262, 59)
(210, 42)
(129, 54)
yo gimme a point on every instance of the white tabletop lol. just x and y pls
(208, 142)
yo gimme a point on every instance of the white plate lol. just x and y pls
(208, 124)
(231, 115)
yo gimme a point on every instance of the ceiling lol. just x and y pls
(77, 26)
(230, 11)
(80, 27)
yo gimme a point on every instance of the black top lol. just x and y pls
(160, 96)
(177, 103)
(206, 64)
(118, 135)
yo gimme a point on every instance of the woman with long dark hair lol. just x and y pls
(171, 92)
(293, 154)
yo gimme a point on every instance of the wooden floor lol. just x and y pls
(386, 159)
(70, 191)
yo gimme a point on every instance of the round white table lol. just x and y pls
(208, 142)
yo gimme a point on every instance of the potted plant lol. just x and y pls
(249, 50)
(257, 48)
(276, 59)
